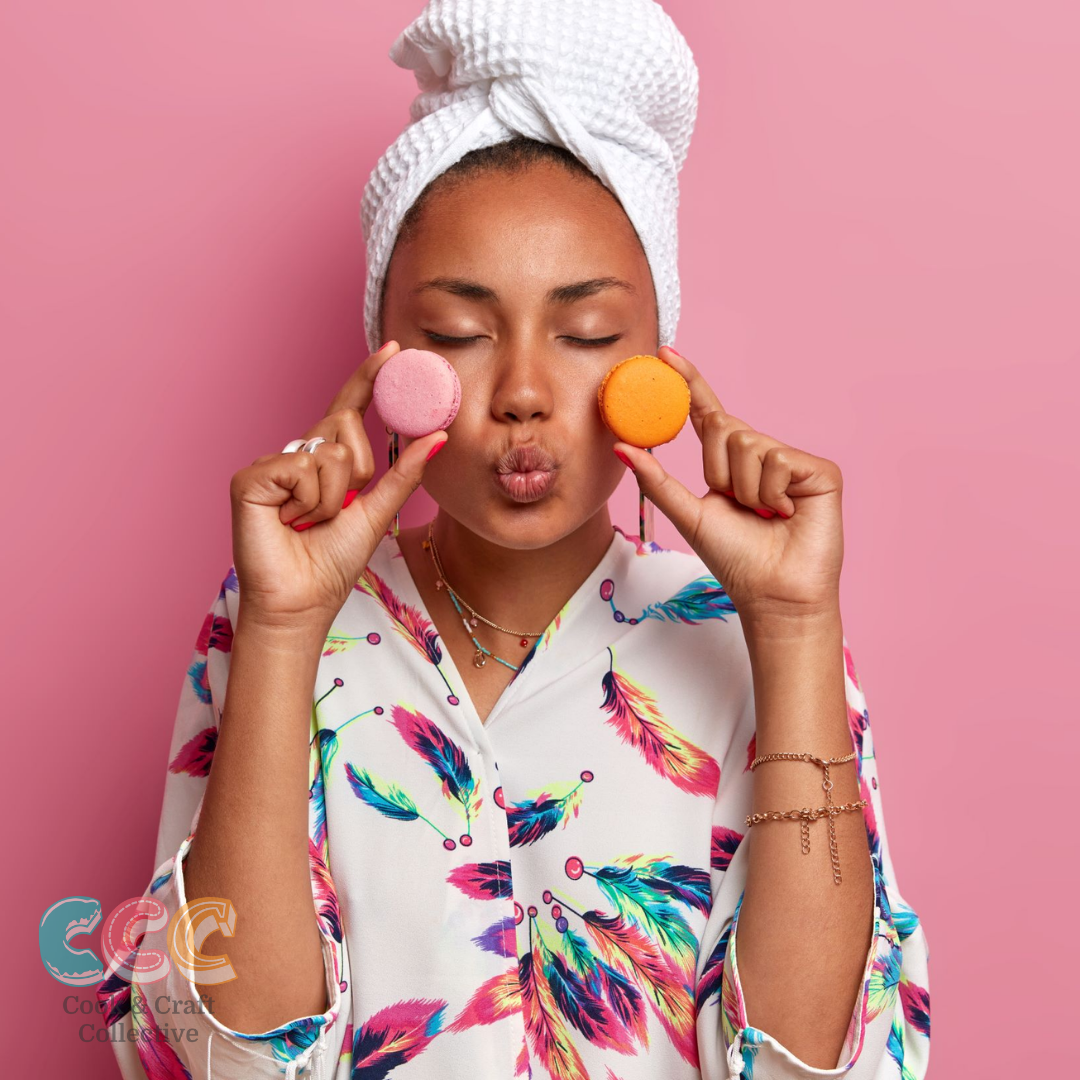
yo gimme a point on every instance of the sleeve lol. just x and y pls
(166, 1027)
(888, 1035)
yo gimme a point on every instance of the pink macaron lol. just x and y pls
(416, 392)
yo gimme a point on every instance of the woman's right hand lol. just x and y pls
(299, 579)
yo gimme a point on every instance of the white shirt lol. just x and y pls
(551, 893)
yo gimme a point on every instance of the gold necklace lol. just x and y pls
(481, 654)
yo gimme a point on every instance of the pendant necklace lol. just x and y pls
(481, 655)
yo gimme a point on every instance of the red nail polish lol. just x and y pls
(730, 494)
(676, 352)
(765, 513)
(349, 496)
(435, 449)
(305, 525)
(783, 515)
(625, 460)
(384, 344)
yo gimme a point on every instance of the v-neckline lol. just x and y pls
(552, 634)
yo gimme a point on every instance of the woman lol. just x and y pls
(515, 754)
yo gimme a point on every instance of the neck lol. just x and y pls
(522, 590)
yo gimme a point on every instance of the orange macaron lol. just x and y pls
(644, 401)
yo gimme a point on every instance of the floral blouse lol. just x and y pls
(553, 893)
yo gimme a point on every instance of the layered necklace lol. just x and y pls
(480, 657)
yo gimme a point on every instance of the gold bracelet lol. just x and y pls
(807, 815)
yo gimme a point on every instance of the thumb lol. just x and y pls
(386, 498)
(677, 502)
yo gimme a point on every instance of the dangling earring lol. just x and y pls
(645, 515)
(392, 451)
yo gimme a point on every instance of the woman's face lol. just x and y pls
(532, 285)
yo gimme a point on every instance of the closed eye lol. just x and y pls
(595, 342)
(446, 339)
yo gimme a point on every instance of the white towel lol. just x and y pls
(613, 81)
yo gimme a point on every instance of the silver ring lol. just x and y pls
(306, 445)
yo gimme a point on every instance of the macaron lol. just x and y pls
(644, 401)
(416, 392)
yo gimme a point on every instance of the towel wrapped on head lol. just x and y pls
(612, 81)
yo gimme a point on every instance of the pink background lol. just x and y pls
(880, 236)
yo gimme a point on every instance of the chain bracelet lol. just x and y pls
(806, 814)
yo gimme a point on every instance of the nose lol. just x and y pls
(523, 390)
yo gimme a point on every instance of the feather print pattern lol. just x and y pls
(576, 924)
(114, 996)
(627, 948)
(698, 600)
(408, 621)
(636, 717)
(216, 633)
(197, 754)
(483, 881)
(394, 1036)
(916, 1003)
(199, 679)
(532, 819)
(317, 811)
(549, 1038)
(724, 843)
(710, 984)
(391, 801)
(636, 897)
(447, 760)
(499, 938)
(500, 996)
(620, 992)
(322, 887)
(580, 1004)
(156, 1055)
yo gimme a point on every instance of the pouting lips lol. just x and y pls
(525, 472)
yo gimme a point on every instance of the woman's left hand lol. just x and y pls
(769, 527)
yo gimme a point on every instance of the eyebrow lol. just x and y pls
(561, 294)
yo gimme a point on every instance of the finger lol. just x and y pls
(347, 426)
(703, 399)
(717, 430)
(681, 506)
(357, 391)
(745, 452)
(776, 472)
(381, 502)
(334, 460)
(277, 481)
(287, 482)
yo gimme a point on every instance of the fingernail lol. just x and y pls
(676, 352)
(306, 525)
(349, 496)
(765, 513)
(783, 515)
(625, 460)
(435, 449)
(384, 344)
(729, 494)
